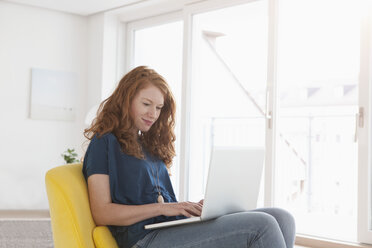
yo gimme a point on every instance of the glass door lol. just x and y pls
(228, 84)
(318, 86)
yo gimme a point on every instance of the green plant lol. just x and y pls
(70, 156)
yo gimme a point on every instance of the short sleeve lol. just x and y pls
(96, 157)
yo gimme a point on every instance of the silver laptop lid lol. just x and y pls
(233, 180)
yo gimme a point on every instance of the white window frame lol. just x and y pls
(365, 95)
(364, 231)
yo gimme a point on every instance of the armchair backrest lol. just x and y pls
(71, 218)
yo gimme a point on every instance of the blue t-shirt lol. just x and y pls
(132, 182)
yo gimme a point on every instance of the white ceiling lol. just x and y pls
(79, 7)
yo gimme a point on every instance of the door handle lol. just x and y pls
(359, 122)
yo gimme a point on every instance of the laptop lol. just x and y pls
(232, 186)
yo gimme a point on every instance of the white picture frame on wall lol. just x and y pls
(53, 95)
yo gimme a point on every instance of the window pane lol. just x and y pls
(317, 157)
(228, 84)
(160, 47)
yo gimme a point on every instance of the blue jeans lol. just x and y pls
(260, 228)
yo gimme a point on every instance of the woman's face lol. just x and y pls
(146, 107)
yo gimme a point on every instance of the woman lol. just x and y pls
(126, 168)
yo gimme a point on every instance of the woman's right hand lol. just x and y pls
(188, 209)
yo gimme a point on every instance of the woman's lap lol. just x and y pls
(263, 228)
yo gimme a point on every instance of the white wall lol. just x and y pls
(95, 57)
(103, 29)
(32, 37)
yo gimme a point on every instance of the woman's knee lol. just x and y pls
(282, 216)
(286, 223)
(267, 222)
(266, 230)
(258, 221)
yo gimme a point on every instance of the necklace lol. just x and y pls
(157, 185)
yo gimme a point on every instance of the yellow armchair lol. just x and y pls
(72, 221)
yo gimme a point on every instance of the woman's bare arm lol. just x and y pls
(107, 213)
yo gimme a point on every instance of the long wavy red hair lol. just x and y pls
(113, 116)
